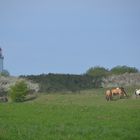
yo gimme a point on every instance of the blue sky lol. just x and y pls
(69, 36)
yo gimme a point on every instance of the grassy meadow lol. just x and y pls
(72, 116)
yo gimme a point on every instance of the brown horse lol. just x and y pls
(119, 91)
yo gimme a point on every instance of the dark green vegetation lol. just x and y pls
(123, 69)
(103, 72)
(64, 82)
(84, 116)
(97, 71)
(75, 83)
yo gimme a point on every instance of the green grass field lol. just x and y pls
(84, 116)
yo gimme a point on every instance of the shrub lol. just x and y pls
(18, 91)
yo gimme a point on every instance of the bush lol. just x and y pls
(18, 91)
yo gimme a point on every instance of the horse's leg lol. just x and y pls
(136, 94)
(121, 94)
(110, 97)
(107, 98)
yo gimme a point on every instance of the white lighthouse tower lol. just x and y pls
(1, 61)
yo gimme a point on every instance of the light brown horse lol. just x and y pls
(119, 91)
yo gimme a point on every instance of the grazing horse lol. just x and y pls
(115, 91)
(118, 91)
(108, 95)
(137, 92)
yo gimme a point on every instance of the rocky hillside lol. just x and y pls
(127, 79)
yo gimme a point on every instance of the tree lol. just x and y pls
(97, 71)
(123, 69)
(18, 91)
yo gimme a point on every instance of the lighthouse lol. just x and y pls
(1, 61)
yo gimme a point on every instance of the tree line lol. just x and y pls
(92, 78)
(64, 82)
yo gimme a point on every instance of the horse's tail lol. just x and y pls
(107, 98)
